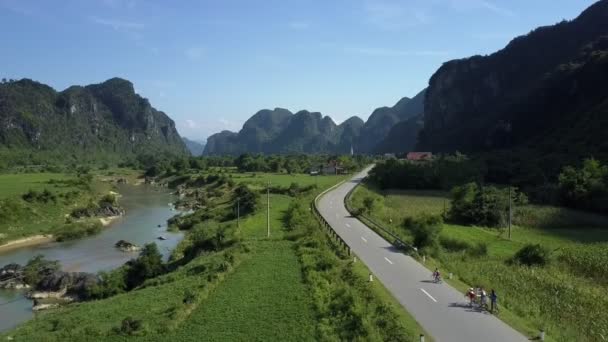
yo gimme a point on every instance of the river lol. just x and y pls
(146, 208)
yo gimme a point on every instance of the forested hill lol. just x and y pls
(100, 121)
(545, 92)
(281, 131)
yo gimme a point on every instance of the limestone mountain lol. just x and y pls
(195, 147)
(281, 131)
(545, 92)
(383, 119)
(86, 123)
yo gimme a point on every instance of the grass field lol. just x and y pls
(17, 184)
(565, 298)
(19, 218)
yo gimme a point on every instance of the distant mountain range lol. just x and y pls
(281, 131)
(195, 147)
(99, 120)
(545, 92)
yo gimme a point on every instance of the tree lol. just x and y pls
(425, 229)
(247, 200)
(585, 188)
(149, 264)
(37, 268)
(369, 203)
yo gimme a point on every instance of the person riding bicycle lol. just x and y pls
(471, 295)
(436, 275)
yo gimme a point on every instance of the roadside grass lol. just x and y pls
(566, 298)
(284, 180)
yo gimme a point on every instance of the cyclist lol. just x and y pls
(436, 275)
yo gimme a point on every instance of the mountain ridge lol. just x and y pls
(82, 122)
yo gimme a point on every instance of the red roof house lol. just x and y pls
(419, 156)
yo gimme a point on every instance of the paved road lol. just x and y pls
(440, 309)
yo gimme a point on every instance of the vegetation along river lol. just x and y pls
(146, 208)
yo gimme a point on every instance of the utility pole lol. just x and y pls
(510, 212)
(268, 209)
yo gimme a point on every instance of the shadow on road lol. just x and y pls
(468, 307)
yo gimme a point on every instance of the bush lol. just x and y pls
(453, 245)
(488, 206)
(129, 326)
(479, 249)
(585, 188)
(37, 268)
(248, 200)
(425, 229)
(532, 255)
(149, 264)
(77, 230)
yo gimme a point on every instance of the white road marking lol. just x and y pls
(390, 262)
(362, 238)
(426, 293)
(348, 225)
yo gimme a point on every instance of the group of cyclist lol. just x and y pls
(477, 296)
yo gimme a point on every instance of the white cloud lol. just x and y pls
(191, 124)
(118, 25)
(299, 25)
(488, 5)
(394, 14)
(194, 53)
(505, 12)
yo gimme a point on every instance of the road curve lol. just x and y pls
(439, 308)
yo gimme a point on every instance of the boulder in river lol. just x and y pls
(127, 246)
(12, 277)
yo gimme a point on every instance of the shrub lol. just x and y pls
(77, 230)
(473, 204)
(37, 268)
(532, 255)
(129, 326)
(479, 249)
(453, 245)
(425, 229)
(149, 264)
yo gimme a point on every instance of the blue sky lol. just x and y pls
(212, 64)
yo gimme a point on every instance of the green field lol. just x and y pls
(566, 297)
(263, 300)
(19, 183)
(20, 218)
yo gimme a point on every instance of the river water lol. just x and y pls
(146, 208)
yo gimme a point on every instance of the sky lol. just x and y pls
(211, 64)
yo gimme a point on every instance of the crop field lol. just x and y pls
(263, 300)
(565, 297)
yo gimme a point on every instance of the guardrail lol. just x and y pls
(324, 223)
(397, 242)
